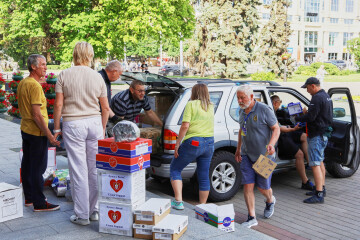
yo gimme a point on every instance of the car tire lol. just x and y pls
(223, 187)
(338, 171)
(171, 74)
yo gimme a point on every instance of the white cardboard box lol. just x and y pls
(142, 231)
(221, 217)
(115, 218)
(11, 205)
(152, 211)
(171, 227)
(121, 187)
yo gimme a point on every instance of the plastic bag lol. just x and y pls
(126, 131)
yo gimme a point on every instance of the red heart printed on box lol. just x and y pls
(114, 216)
(116, 185)
(141, 162)
(112, 162)
(113, 147)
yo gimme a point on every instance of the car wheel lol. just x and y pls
(339, 171)
(224, 175)
(171, 73)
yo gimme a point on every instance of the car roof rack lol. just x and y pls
(271, 83)
(225, 80)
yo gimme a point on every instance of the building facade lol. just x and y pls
(320, 28)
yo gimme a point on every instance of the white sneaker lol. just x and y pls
(250, 222)
(80, 221)
(94, 216)
(269, 208)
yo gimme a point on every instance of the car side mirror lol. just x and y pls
(338, 112)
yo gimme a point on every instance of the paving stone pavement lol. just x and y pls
(56, 225)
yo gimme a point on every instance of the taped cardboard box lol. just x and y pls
(152, 211)
(120, 187)
(221, 217)
(122, 164)
(172, 227)
(142, 231)
(155, 135)
(264, 166)
(11, 205)
(133, 149)
(116, 218)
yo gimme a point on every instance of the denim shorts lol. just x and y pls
(316, 149)
(199, 149)
(248, 174)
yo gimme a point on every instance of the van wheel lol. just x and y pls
(339, 171)
(224, 176)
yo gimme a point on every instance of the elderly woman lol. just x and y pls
(78, 93)
(197, 134)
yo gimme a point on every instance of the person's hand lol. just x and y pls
(53, 140)
(238, 155)
(270, 149)
(297, 127)
(305, 110)
(176, 154)
(57, 134)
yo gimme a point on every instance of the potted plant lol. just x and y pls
(12, 98)
(13, 85)
(2, 95)
(17, 76)
(51, 78)
(49, 90)
(2, 81)
(3, 106)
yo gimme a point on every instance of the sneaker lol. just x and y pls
(269, 208)
(47, 208)
(312, 193)
(178, 205)
(250, 222)
(314, 199)
(80, 221)
(308, 185)
(94, 216)
(28, 203)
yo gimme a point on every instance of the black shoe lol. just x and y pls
(47, 207)
(314, 199)
(314, 191)
(308, 185)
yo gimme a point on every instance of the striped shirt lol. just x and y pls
(124, 105)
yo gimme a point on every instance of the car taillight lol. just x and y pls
(169, 139)
(163, 69)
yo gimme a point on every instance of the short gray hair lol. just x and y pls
(245, 88)
(113, 65)
(33, 60)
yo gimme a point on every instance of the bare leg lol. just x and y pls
(267, 193)
(318, 177)
(249, 197)
(304, 146)
(177, 187)
(300, 167)
(203, 196)
(323, 171)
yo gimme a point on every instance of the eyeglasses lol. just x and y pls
(140, 90)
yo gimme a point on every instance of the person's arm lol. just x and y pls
(40, 122)
(152, 115)
(274, 138)
(312, 112)
(183, 130)
(285, 129)
(238, 149)
(58, 105)
(105, 109)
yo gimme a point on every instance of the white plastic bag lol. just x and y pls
(126, 131)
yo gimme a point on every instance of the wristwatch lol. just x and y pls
(57, 130)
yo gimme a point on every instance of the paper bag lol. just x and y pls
(264, 166)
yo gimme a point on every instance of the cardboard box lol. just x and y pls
(153, 211)
(154, 134)
(121, 164)
(221, 217)
(142, 231)
(116, 218)
(11, 202)
(125, 149)
(171, 227)
(120, 187)
(264, 166)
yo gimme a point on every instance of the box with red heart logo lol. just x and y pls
(133, 149)
(121, 187)
(152, 211)
(122, 164)
(116, 218)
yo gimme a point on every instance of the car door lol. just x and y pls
(343, 145)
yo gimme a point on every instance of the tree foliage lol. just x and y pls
(224, 36)
(354, 48)
(274, 38)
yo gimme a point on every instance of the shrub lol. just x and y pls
(65, 65)
(263, 76)
(53, 67)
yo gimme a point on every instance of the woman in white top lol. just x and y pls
(78, 93)
(320, 74)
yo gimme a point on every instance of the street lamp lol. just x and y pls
(181, 55)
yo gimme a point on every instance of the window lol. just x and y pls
(332, 56)
(349, 6)
(334, 20)
(341, 107)
(312, 8)
(235, 108)
(267, 2)
(346, 56)
(311, 38)
(348, 21)
(334, 5)
(266, 16)
(332, 38)
(347, 37)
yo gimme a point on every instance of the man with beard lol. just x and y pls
(259, 132)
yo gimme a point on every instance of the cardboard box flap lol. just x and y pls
(172, 224)
(7, 187)
(218, 211)
(226, 210)
(154, 206)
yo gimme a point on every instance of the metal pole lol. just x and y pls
(285, 71)
(160, 50)
(181, 56)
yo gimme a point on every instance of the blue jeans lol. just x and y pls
(189, 152)
(316, 149)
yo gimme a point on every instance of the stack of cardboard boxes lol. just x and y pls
(121, 181)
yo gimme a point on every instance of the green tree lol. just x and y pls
(274, 38)
(354, 48)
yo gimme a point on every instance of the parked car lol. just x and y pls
(341, 155)
(341, 64)
(172, 70)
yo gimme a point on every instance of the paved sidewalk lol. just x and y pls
(56, 225)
